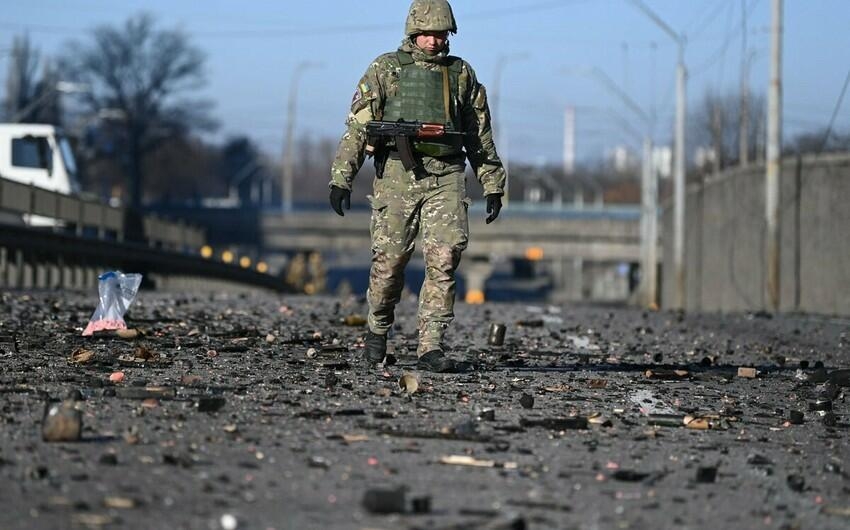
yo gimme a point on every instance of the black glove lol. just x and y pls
(494, 206)
(339, 197)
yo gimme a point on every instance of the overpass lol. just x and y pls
(578, 245)
(604, 234)
(565, 239)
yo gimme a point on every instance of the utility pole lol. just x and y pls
(495, 99)
(774, 160)
(288, 154)
(679, 292)
(649, 228)
(744, 133)
(649, 189)
(679, 181)
(569, 140)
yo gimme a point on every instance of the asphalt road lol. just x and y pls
(254, 412)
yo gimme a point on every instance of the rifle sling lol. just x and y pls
(446, 95)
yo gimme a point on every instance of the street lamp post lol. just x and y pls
(679, 295)
(288, 155)
(496, 100)
(649, 190)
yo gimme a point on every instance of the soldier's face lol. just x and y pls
(432, 42)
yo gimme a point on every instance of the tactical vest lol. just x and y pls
(428, 96)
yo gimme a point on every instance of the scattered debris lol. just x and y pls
(487, 415)
(496, 336)
(667, 420)
(421, 505)
(157, 392)
(355, 321)
(527, 401)
(820, 404)
(408, 382)
(463, 460)
(62, 422)
(556, 424)
(597, 383)
(747, 372)
(145, 354)
(127, 334)
(121, 503)
(666, 375)
(706, 474)
(81, 356)
(598, 419)
(211, 403)
(627, 475)
(384, 501)
(229, 522)
(796, 483)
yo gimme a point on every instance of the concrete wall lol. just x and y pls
(725, 239)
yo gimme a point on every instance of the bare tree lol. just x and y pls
(820, 141)
(717, 125)
(138, 72)
(28, 98)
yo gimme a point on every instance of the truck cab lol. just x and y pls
(39, 155)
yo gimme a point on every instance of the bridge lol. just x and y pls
(578, 246)
(603, 234)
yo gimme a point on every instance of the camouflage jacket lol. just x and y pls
(381, 79)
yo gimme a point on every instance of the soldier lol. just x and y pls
(419, 82)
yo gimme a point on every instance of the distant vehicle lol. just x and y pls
(39, 155)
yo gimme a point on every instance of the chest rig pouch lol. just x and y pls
(428, 96)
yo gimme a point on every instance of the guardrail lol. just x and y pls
(79, 238)
(85, 216)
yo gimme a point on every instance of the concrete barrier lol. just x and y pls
(725, 239)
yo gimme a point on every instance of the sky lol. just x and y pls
(253, 47)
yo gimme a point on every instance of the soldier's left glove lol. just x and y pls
(494, 206)
(340, 197)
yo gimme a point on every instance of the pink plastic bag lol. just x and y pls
(116, 291)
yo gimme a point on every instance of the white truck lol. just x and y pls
(37, 155)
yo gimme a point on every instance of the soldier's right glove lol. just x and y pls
(339, 197)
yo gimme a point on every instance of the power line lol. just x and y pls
(319, 30)
(834, 114)
(708, 21)
(720, 53)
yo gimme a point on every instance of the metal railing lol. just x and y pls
(91, 217)
(70, 240)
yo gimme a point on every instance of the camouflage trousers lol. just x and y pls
(402, 206)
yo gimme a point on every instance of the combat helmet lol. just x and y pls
(429, 15)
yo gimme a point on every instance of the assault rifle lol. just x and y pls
(402, 132)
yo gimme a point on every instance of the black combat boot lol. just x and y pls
(376, 347)
(436, 361)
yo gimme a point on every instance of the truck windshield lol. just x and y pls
(70, 163)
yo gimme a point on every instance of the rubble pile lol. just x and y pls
(255, 411)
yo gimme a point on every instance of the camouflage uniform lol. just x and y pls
(403, 204)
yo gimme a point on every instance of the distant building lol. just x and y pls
(623, 159)
(662, 161)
